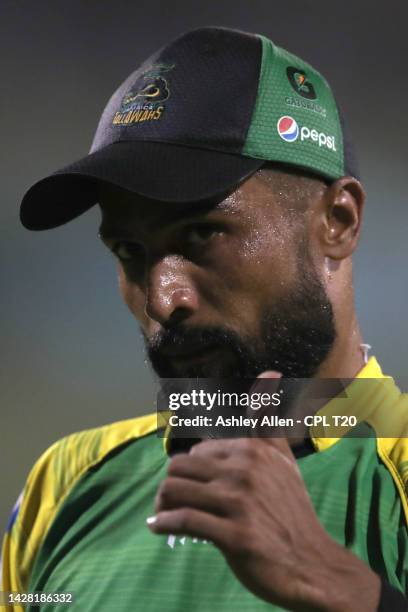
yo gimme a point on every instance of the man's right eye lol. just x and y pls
(128, 251)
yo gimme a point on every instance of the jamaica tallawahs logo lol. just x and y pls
(297, 78)
(145, 101)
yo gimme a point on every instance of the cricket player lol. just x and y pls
(230, 196)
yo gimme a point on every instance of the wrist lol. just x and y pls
(338, 581)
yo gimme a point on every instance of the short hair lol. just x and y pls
(293, 187)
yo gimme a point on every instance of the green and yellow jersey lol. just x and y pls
(80, 524)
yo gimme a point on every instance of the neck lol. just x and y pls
(346, 358)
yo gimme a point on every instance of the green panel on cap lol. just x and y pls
(296, 97)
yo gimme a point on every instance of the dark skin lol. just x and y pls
(205, 266)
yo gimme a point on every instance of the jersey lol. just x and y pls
(80, 524)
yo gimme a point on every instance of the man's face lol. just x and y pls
(226, 289)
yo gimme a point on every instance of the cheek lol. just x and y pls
(268, 255)
(253, 274)
(264, 240)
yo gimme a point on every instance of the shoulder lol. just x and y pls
(391, 427)
(50, 480)
(67, 459)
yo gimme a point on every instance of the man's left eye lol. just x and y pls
(198, 235)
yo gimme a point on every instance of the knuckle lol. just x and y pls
(183, 519)
(200, 447)
(235, 504)
(175, 464)
(232, 501)
(165, 491)
(248, 449)
(238, 542)
(245, 445)
(241, 476)
(196, 449)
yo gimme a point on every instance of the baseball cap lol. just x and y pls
(198, 117)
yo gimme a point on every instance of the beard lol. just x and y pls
(296, 335)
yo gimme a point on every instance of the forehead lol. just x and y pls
(121, 207)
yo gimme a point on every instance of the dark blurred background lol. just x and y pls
(71, 354)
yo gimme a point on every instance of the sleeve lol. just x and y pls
(48, 484)
(10, 579)
(27, 527)
(391, 599)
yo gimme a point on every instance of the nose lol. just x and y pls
(171, 295)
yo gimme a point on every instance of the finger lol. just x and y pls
(215, 449)
(222, 449)
(179, 492)
(282, 447)
(262, 384)
(193, 467)
(194, 523)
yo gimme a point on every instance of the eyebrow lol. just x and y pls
(188, 212)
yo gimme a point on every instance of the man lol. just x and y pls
(230, 196)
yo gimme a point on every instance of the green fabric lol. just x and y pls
(100, 549)
(316, 118)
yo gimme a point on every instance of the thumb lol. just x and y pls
(262, 385)
(270, 374)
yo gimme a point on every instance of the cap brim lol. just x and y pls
(159, 171)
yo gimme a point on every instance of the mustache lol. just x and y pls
(188, 339)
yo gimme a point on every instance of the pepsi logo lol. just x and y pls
(288, 129)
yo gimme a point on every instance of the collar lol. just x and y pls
(359, 399)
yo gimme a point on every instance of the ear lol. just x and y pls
(342, 216)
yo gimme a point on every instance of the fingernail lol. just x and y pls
(151, 519)
(270, 374)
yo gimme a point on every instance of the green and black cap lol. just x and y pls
(198, 117)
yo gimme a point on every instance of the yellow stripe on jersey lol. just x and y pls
(47, 486)
(382, 405)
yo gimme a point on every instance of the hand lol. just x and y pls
(247, 496)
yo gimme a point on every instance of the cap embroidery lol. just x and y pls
(297, 78)
(145, 101)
